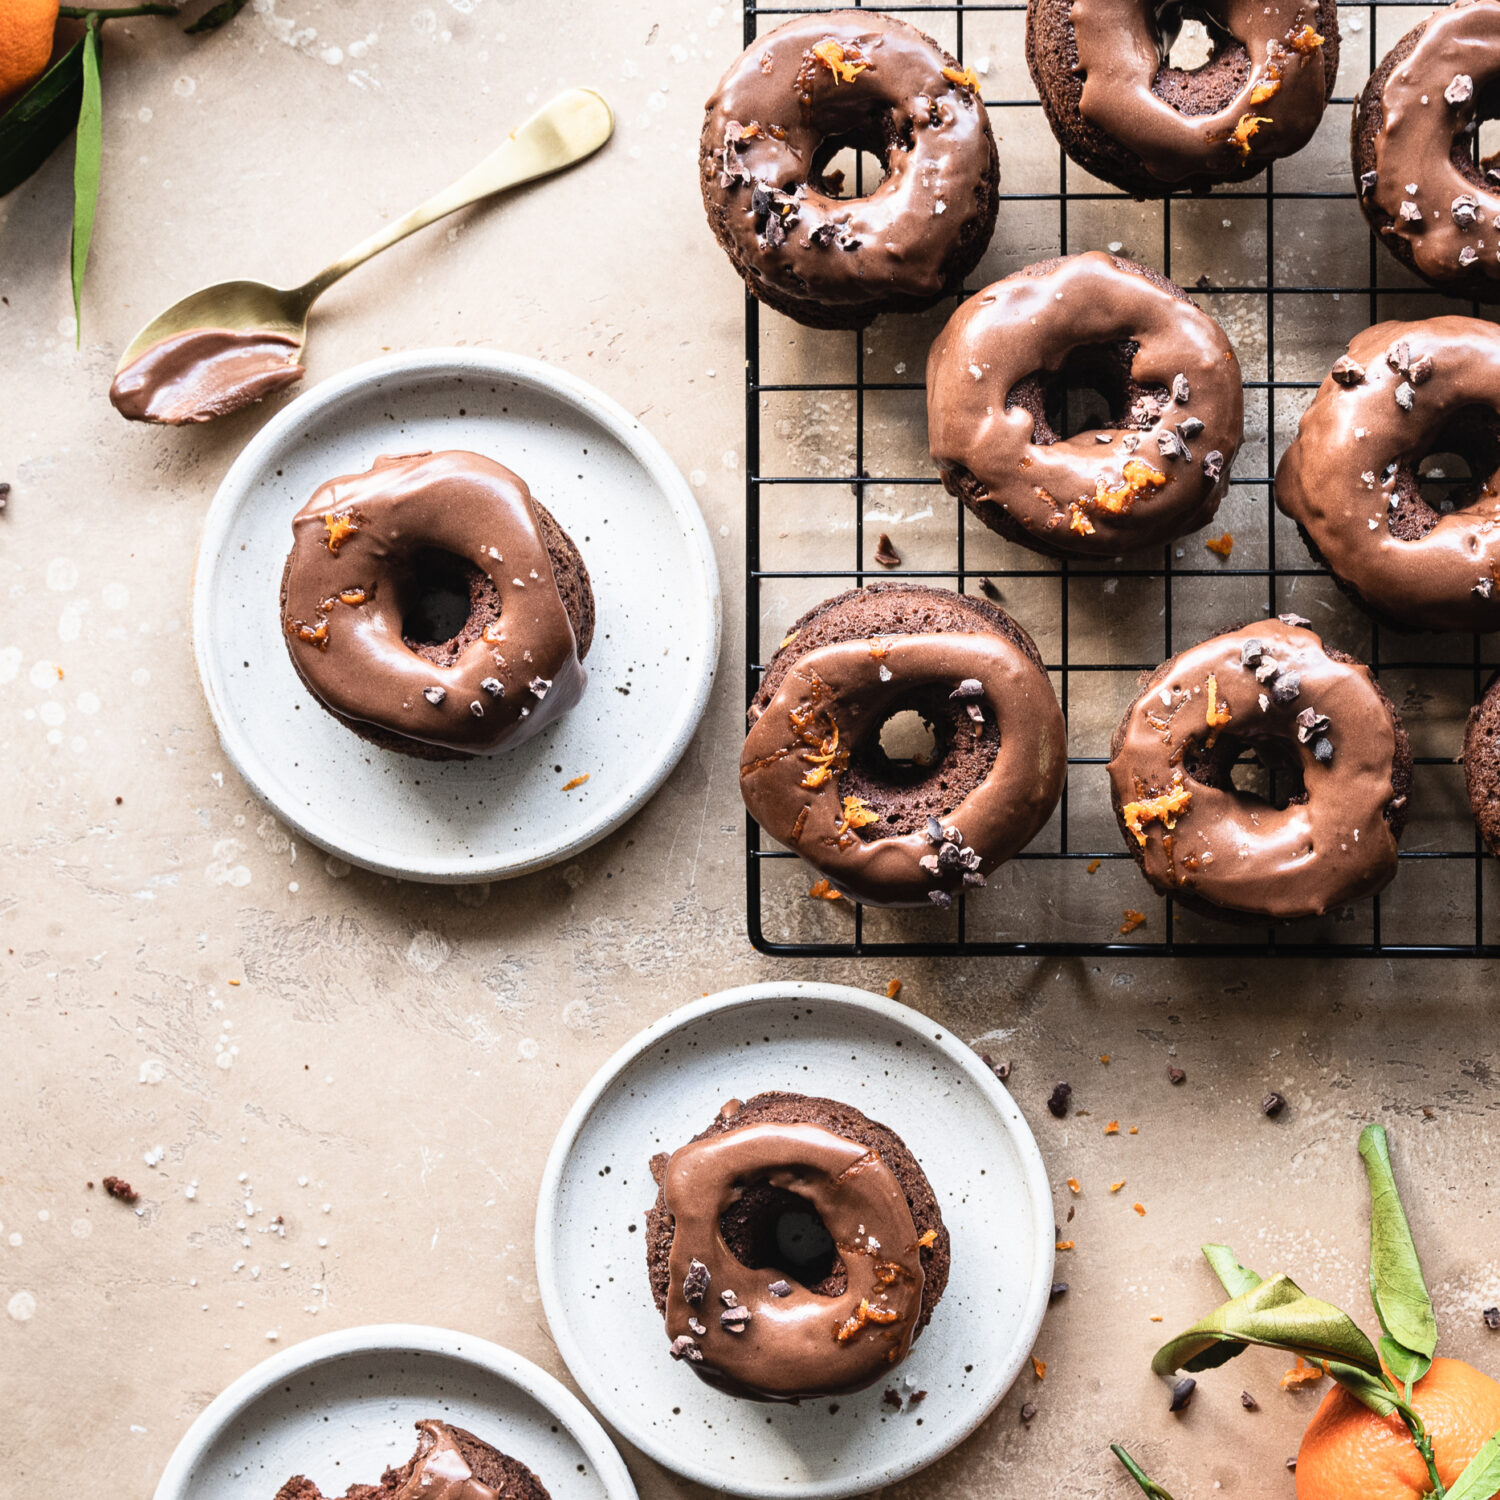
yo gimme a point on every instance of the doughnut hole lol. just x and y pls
(446, 604)
(924, 758)
(1202, 66)
(847, 167)
(771, 1229)
(1262, 769)
(1092, 391)
(1457, 467)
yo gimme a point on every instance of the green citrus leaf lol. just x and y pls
(1236, 1279)
(1366, 1388)
(86, 164)
(1147, 1484)
(1480, 1480)
(1396, 1285)
(1279, 1315)
(218, 16)
(41, 119)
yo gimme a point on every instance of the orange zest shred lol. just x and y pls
(1217, 714)
(340, 526)
(310, 635)
(1223, 545)
(1115, 1187)
(820, 890)
(1140, 1208)
(1039, 1367)
(1065, 1244)
(857, 815)
(966, 78)
(1267, 88)
(1074, 1183)
(576, 782)
(1079, 522)
(1138, 477)
(1113, 1128)
(1305, 41)
(893, 989)
(878, 647)
(1104, 1058)
(751, 131)
(356, 596)
(1133, 919)
(787, 639)
(825, 761)
(1135, 1130)
(928, 1239)
(1240, 137)
(866, 1312)
(845, 66)
(1163, 809)
(1093, 866)
(1302, 1374)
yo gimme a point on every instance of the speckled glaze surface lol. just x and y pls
(656, 588)
(898, 1068)
(341, 1407)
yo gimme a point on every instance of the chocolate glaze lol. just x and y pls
(838, 694)
(801, 1343)
(347, 588)
(1422, 111)
(1349, 479)
(205, 373)
(1082, 495)
(765, 137)
(1275, 111)
(1228, 850)
(439, 1471)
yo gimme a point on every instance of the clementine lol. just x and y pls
(1348, 1453)
(26, 28)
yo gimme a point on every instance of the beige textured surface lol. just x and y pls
(378, 1070)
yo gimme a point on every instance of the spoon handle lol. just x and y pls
(563, 132)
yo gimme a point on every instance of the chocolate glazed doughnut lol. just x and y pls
(1350, 481)
(1312, 714)
(351, 587)
(904, 833)
(1482, 765)
(1121, 112)
(844, 1312)
(997, 378)
(1412, 144)
(787, 106)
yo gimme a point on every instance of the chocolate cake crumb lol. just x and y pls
(885, 554)
(117, 1187)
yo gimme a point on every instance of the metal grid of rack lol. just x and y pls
(1065, 895)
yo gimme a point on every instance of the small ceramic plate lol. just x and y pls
(898, 1068)
(340, 1408)
(612, 488)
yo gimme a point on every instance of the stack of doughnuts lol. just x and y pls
(1003, 377)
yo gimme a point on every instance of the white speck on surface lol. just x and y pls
(222, 869)
(427, 952)
(143, 114)
(22, 1306)
(153, 1070)
(527, 1048)
(82, 1228)
(62, 575)
(185, 87)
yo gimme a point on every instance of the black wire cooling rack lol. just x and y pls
(1076, 891)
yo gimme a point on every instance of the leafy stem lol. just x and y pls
(1420, 1440)
(1148, 1485)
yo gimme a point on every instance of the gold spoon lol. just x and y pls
(573, 126)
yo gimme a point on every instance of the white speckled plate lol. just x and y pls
(339, 1408)
(667, 1085)
(613, 489)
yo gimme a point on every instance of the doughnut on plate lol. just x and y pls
(611, 487)
(895, 1066)
(340, 1407)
